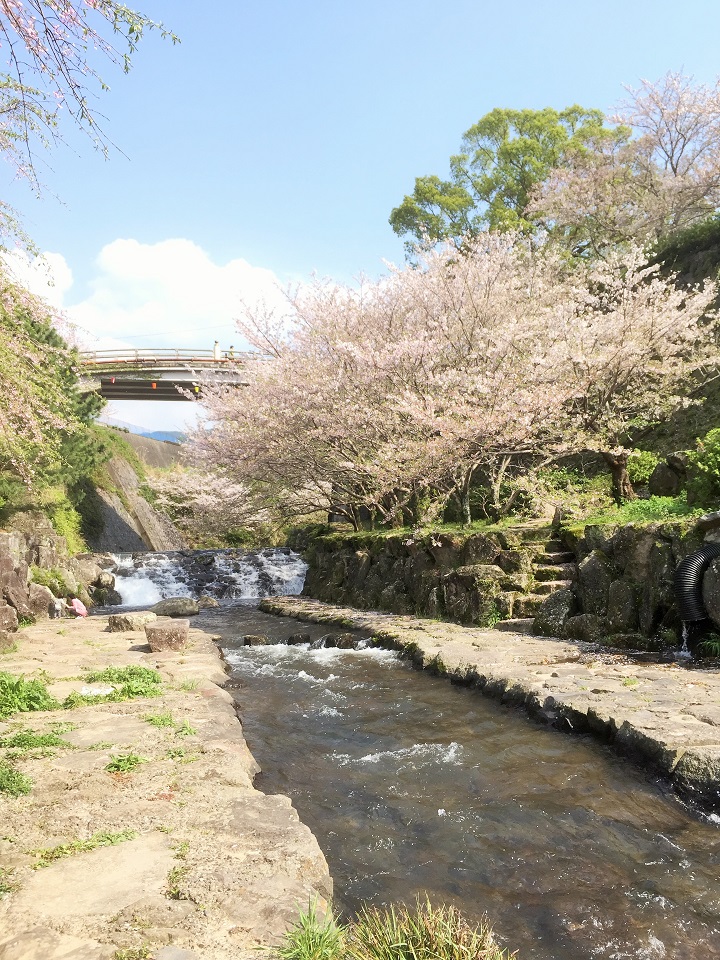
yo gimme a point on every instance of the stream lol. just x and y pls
(413, 785)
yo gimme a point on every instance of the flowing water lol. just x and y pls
(414, 785)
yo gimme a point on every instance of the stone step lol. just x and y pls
(564, 556)
(518, 625)
(550, 586)
(554, 546)
(527, 606)
(554, 571)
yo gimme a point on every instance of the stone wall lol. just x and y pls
(618, 591)
(622, 593)
(475, 579)
(33, 542)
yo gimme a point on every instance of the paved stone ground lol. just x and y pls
(665, 716)
(215, 868)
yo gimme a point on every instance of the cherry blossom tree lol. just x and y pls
(51, 49)
(206, 504)
(392, 396)
(639, 188)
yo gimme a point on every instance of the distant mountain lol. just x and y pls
(167, 436)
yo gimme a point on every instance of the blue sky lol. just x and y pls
(274, 140)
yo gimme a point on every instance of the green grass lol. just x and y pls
(25, 741)
(12, 782)
(125, 762)
(48, 855)
(6, 883)
(425, 933)
(184, 729)
(174, 888)
(129, 683)
(18, 695)
(653, 510)
(164, 719)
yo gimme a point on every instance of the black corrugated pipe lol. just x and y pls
(688, 582)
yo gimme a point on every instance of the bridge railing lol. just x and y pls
(162, 355)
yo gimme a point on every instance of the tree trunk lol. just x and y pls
(622, 488)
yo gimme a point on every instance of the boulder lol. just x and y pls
(167, 634)
(118, 622)
(658, 590)
(594, 579)
(709, 522)
(17, 597)
(70, 580)
(206, 601)
(258, 640)
(8, 617)
(176, 607)
(553, 613)
(664, 482)
(588, 627)
(711, 591)
(296, 638)
(104, 580)
(7, 641)
(104, 597)
(40, 599)
(343, 641)
(622, 612)
(85, 569)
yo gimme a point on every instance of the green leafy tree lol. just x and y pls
(44, 418)
(503, 157)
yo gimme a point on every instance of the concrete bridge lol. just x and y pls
(159, 374)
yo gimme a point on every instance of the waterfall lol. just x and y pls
(143, 579)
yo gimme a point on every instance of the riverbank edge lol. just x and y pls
(216, 869)
(664, 717)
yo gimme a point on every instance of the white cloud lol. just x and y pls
(168, 294)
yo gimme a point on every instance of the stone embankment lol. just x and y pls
(173, 857)
(665, 716)
(611, 584)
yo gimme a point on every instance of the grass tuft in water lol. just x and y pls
(428, 933)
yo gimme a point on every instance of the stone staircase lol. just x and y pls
(553, 568)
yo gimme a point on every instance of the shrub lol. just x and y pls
(51, 578)
(641, 464)
(704, 466)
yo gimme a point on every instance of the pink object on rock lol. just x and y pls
(79, 607)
